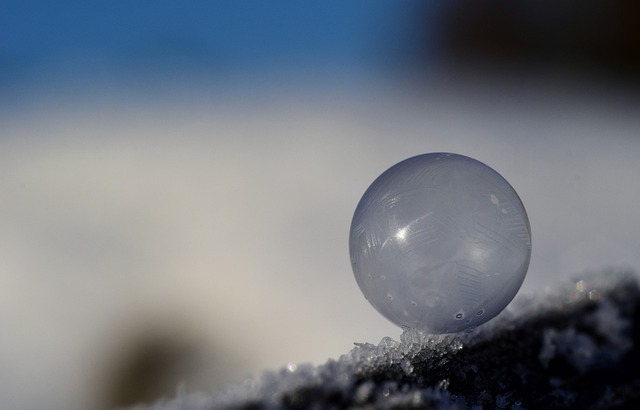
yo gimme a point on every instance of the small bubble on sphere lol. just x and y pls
(438, 238)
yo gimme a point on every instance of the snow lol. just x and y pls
(553, 350)
(583, 351)
(125, 214)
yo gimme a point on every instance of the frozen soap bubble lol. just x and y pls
(440, 242)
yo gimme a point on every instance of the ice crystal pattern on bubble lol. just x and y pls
(440, 242)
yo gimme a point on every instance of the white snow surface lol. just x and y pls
(578, 348)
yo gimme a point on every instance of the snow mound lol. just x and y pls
(572, 348)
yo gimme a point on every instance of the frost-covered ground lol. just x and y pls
(219, 218)
(575, 348)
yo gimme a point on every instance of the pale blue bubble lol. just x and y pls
(440, 242)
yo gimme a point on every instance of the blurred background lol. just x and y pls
(177, 180)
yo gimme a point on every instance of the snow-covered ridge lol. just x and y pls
(572, 348)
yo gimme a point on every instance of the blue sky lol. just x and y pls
(77, 37)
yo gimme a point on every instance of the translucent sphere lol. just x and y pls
(440, 242)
